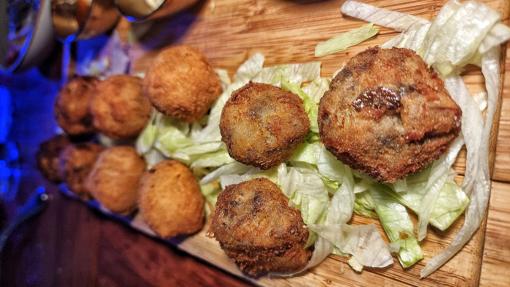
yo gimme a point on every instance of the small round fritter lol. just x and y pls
(181, 83)
(48, 157)
(76, 162)
(387, 114)
(257, 228)
(72, 106)
(170, 200)
(119, 108)
(114, 178)
(262, 125)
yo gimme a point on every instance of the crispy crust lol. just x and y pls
(114, 178)
(76, 162)
(258, 229)
(182, 84)
(387, 114)
(170, 200)
(262, 125)
(48, 157)
(72, 106)
(119, 109)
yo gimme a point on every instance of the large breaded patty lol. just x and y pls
(170, 200)
(182, 84)
(114, 178)
(262, 125)
(257, 228)
(119, 108)
(387, 114)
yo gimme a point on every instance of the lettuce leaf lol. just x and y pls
(210, 192)
(214, 159)
(316, 88)
(362, 242)
(398, 226)
(333, 169)
(307, 153)
(146, 139)
(395, 20)
(345, 40)
(364, 205)
(305, 190)
(311, 107)
(292, 73)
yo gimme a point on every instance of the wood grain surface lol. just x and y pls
(286, 32)
(502, 162)
(496, 255)
(71, 246)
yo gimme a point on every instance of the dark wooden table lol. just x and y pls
(70, 245)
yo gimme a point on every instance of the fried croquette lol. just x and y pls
(182, 84)
(387, 114)
(257, 228)
(114, 178)
(48, 157)
(262, 125)
(72, 106)
(76, 162)
(119, 108)
(170, 200)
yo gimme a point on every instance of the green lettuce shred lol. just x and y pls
(346, 40)
(398, 226)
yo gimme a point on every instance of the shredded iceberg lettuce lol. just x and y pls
(364, 205)
(305, 190)
(398, 226)
(210, 192)
(380, 16)
(311, 107)
(325, 190)
(345, 40)
(362, 242)
(462, 33)
(307, 153)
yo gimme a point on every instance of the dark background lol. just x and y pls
(69, 244)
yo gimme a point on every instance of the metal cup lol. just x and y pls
(146, 10)
(26, 34)
(83, 19)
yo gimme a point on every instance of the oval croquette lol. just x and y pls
(119, 109)
(170, 200)
(114, 178)
(181, 83)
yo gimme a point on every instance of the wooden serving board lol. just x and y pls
(229, 31)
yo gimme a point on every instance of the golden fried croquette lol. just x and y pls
(72, 106)
(170, 200)
(76, 162)
(262, 125)
(257, 228)
(114, 178)
(119, 109)
(48, 157)
(181, 84)
(387, 114)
